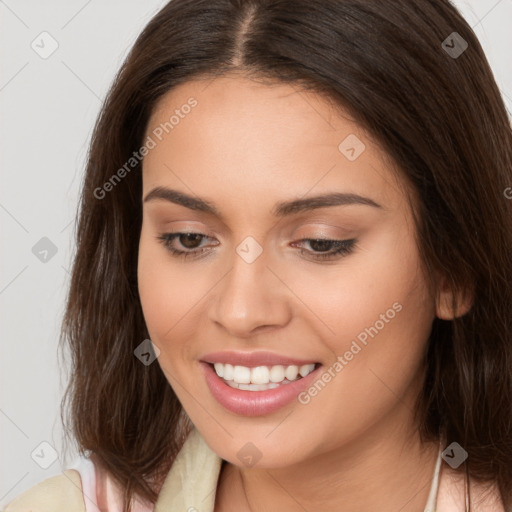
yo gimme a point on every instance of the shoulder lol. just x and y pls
(451, 495)
(61, 493)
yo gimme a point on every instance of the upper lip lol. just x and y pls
(253, 359)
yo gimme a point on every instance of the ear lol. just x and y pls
(450, 304)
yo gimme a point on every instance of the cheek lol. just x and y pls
(171, 294)
(382, 276)
(164, 292)
(379, 316)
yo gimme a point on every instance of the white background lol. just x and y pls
(47, 111)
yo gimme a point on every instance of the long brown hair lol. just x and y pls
(437, 114)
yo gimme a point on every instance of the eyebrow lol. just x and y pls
(282, 209)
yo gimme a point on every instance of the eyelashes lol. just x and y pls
(339, 248)
(321, 248)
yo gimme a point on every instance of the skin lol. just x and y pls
(245, 147)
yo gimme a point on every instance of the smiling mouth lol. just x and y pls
(261, 378)
(259, 396)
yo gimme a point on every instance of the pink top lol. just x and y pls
(100, 492)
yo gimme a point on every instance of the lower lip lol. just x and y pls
(255, 403)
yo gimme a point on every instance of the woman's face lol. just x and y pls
(259, 174)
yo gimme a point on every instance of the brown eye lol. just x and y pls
(190, 240)
(327, 249)
(189, 244)
(320, 245)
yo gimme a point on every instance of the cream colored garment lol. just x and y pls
(190, 484)
(189, 487)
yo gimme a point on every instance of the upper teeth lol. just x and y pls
(261, 374)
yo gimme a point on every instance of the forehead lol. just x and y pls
(234, 137)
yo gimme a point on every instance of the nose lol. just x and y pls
(249, 299)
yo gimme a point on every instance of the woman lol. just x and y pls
(293, 280)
